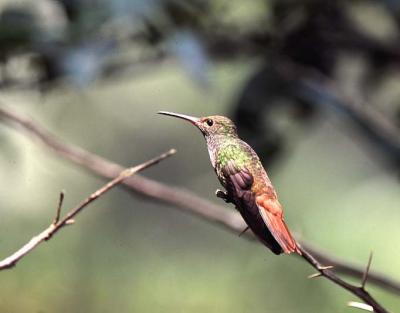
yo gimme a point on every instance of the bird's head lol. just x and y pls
(209, 125)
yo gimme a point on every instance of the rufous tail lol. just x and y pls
(271, 212)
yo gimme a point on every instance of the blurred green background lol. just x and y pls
(130, 254)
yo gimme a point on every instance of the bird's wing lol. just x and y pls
(239, 184)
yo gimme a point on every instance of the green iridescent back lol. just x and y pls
(223, 150)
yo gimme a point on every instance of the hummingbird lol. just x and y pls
(245, 180)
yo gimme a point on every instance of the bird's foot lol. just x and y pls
(223, 195)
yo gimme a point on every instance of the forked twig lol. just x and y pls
(58, 223)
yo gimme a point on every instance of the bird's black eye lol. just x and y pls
(209, 122)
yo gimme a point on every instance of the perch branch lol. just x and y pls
(359, 291)
(189, 202)
(58, 223)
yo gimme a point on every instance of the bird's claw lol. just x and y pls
(223, 195)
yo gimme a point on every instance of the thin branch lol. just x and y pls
(353, 270)
(328, 273)
(188, 202)
(58, 223)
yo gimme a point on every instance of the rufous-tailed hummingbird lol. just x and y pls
(247, 184)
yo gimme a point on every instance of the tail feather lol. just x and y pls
(282, 234)
(271, 212)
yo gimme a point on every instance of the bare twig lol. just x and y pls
(58, 223)
(228, 219)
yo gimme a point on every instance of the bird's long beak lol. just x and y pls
(189, 118)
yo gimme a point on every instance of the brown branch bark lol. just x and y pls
(353, 270)
(359, 291)
(228, 219)
(58, 223)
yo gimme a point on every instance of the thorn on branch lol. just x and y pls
(323, 268)
(365, 276)
(58, 211)
(315, 275)
(243, 231)
(361, 306)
